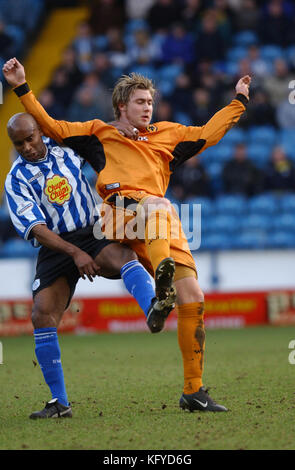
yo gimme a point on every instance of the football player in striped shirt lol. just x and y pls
(51, 204)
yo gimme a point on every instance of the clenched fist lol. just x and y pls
(243, 85)
(14, 72)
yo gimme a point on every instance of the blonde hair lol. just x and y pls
(126, 85)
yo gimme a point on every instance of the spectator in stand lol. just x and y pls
(6, 42)
(70, 67)
(239, 174)
(163, 14)
(138, 10)
(201, 108)
(164, 112)
(144, 50)
(23, 14)
(275, 27)
(259, 67)
(101, 66)
(280, 173)
(85, 107)
(260, 111)
(61, 88)
(178, 47)
(83, 46)
(190, 180)
(210, 43)
(277, 85)
(105, 14)
(245, 65)
(246, 16)
(53, 107)
(214, 86)
(224, 14)
(190, 14)
(182, 93)
(101, 95)
(285, 114)
(116, 51)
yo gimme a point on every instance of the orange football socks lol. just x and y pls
(157, 236)
(191, 340)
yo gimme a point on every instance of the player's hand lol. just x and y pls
(126, 129)
(86, 265)
(14, 72)
(243, 85)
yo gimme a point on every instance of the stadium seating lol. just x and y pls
(287, 203)
(259, 153)
(235, 54)
(250, 239)
(226, 224)
(245, 38)
(231, 204)
(216, 241)
(281, 239)
(228, 221)
(222, 152)
(207, 205)
(263, 204)
(257, 222)
(271, 52)
(235, 136)
(266, 135)
(285, 222)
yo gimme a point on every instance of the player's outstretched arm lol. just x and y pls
(14, 73)
(213, 131)
(222, 121)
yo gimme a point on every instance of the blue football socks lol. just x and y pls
(139, 284)
(48, 354)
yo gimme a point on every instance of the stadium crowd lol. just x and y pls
(195, 51)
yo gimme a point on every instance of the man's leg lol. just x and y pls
(157, 240)
(119, 259)
(49, 306)
(118, 223)
(191, 339)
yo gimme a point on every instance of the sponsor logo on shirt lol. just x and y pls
(58, 189)
(35, 177)
(24, 208)
(151, 128)
(112, 186)
(36, 284)
(57, 151)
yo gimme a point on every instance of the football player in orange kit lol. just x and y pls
(137, 172)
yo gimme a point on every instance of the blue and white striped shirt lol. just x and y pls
(51, 191)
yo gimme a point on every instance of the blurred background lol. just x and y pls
(195, 51)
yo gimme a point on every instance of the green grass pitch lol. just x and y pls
(125, 390)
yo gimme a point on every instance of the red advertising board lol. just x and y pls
(122, 314)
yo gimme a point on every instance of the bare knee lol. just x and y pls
(153, 204)
(189, 291)
(124, 254)
(43, 317)
(112, 258)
